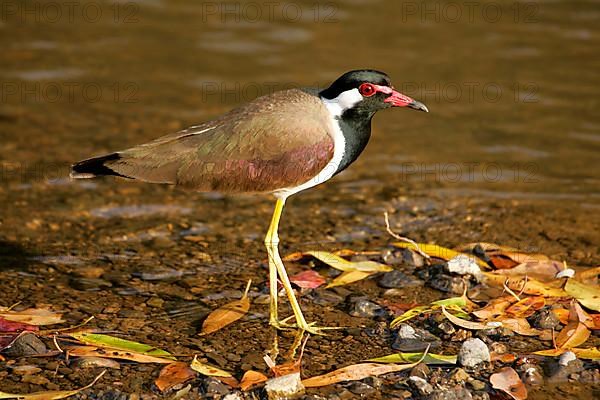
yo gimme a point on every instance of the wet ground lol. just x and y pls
(508, 154)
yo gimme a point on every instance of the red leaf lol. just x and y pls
(308, 279)
(12, 326)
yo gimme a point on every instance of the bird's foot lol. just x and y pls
(303, 326)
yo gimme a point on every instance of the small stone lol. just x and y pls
(477, 385)
(420, 385)
(367, 309)
(361, 388)
(155, 302)
(324, 297)
(26, 344)
(89, 284)
(284, 387)
(89, 272)
(447, 283)
(96, 362)
(498, 348)
(545, 319)
(533, 376)
(413, 340)
(459, 375)
(160, 275)
(26, 370)
(412, 258)
(234, 396)
(216, 387)
(464, 265)
(473, 352)
(447, 327)
(35, 379)
(451, 394)
(398, 279)
(421, 370)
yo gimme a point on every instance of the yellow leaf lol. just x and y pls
(348, 266)
(572, 335)
(349, 277)
(208, 370)
(403, 358)
(521, 284)
(410, 314)
(32, 316)
(252, 378)
(587, 295)
(592, 353)
(469, 324)
(94, 351)
(226, 314)
(433, 250)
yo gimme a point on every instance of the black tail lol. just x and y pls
(93, 167)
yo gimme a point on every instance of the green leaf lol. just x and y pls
(112, 342)
(406, 358)
(410, 314)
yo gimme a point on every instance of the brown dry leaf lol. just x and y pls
(49, 395)
(562, 314)
(592, 353)
(544, 270)
(588, 295)
(174, 374)
(94, 351)
(526, 307)
(354, 373)
(520, 284)
(504, 358)
(587, 275)
(508, 381)
(252, 378)
(572, 335)
(226, 314)
(210, 370)
(32, 316)
(463, 323)
(348, 277)
(494, 308)
(522, 327)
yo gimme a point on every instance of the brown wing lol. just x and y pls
(277, 141)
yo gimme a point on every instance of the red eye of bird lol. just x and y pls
(367, 90)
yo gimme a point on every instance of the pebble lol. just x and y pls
(459, 375)
(398, 279)
(89, 284)
(451, 394)
(420, 385)
(464, 265)
(26, 370)
(159, 275)
(412, 258)
(421, 370)
(35, 379)
(473, 352)
(27, 344)
(545, 319)
(323, 297)
(284, 387)
(215, 387)
(234, 396)
(155, 302)
(477, 385)
(413, 340)
(95, 362)
(361, 388)
(447, 283)
(367, 309)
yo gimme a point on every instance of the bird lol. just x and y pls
(281, 143)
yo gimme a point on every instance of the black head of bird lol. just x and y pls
(281, 143)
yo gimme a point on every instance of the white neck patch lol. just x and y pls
(344, 101)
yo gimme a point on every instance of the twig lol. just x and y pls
(507, 289)
(402, 238)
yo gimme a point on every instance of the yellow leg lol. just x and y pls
(276, 267)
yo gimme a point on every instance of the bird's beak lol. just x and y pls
(397, 99)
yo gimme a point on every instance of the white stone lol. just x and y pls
(566, 357)
(473, 352)
(464, 265)
(284, 387)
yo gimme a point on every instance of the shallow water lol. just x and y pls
(508, 153)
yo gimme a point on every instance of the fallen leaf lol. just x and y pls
(462, 302)
(469, 324)
(32, 316)
(226, 314)
(404, 358)
(494, 308)
(526, 306)
(12, 326)
(506, 358)
(572, 335)
(308, 279)
(486, 246)
(354, 373)
(508, 381)
(95, 351)
(208, 370)
(49, 395)
(592, 353)
(252, 378)
(111, 342)
(341, 264)
(410, 314)
(436, 251)
(520, 284)
(587, 295)
(544, 270)
(562, 314)
(522, 327)
(349, 277)
(174, 374)
(588, 275)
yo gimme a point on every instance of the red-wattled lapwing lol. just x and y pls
(281, 143)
